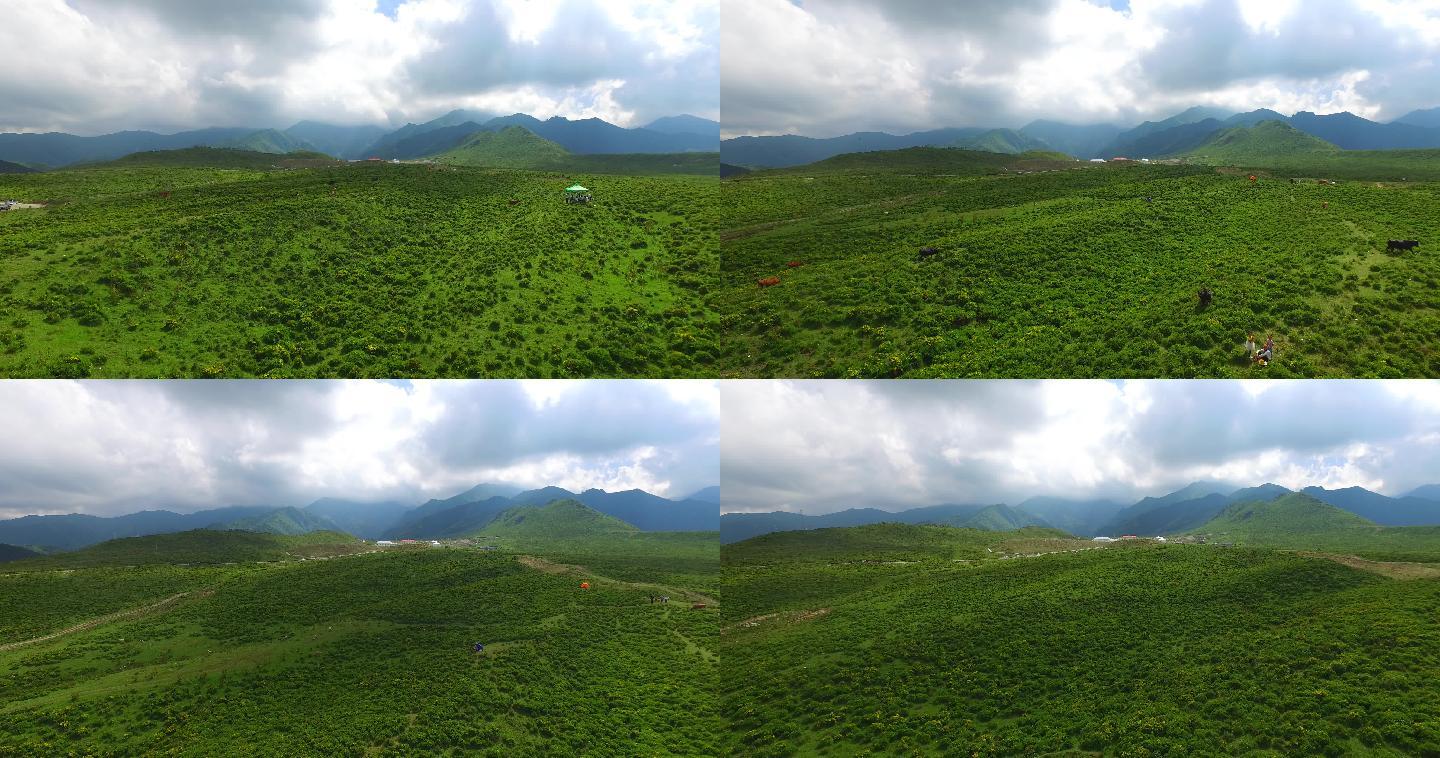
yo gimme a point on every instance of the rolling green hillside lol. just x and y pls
(925, 161)
(1300, 522)
(7, 167)
(370, 654)
(511, 147)
(560, 520)
(1265, 140)
(1138, 649)
(199, 546)
(1091, 271)
(354, 270)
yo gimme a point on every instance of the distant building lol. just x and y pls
(1121, 159)
(1128, 537)
(1103, 539)
(384, 542)
(434, 543)
(1097, 160)
(1159, 539)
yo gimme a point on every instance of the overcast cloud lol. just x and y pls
(818, 447)
(94, 66)
(115, 447)
(829, 67)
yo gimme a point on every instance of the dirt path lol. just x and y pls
(550, 567)
(106, 619)
(1392, 569)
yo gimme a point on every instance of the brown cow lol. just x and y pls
(164, 195)
(794, 264)
(697, 607)
(514, 203)
(769, 281)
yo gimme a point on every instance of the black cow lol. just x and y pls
(926, 252)
(1401, 245)
(1206, 296)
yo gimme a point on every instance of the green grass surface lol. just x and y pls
(1072, 273)
(355, 271)
(368, 654)
(1128, 650)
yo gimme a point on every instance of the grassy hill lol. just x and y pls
(291, 521)
(1300, 522)
(1265, 140)
(7, 167)
(1091, 271)
(1136, 650)
(518, 148)
(217, 157)
(924, 161)
(354, 270)
(199, 546)
(560, 520)
(511, 147)
(889, 542)
(365, 654)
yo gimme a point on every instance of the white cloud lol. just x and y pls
(838, 66)
(90, 66)
(824, 446)
(113, 447)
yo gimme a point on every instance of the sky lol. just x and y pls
(829, 67)
(818, 447)
(95, 66)
(114, 447)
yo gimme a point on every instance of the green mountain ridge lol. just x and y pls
(1267, 139)
(558, 520)
(511, 147)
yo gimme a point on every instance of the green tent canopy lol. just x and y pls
(576, 188)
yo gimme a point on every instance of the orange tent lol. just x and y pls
(584, 585)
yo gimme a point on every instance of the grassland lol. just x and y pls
(365, 654)
(1076, 272)
(187, 270)
(1133, 649)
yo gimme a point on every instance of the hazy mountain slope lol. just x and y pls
(289, 521)
(686, 124)
(340, 141)
(360, 518)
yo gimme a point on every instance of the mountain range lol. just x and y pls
(455, 516)
(1179, 134)
(592, 136)
(1173, 513)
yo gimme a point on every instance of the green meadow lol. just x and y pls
(210, 263)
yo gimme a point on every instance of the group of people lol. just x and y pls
(1261, 355)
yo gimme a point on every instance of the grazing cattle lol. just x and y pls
(164, 195)
(769, 281)
(926, 252)
(697, 607)
(1401, 245)
(514, 203)
(794, 264)
(1206, 296)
